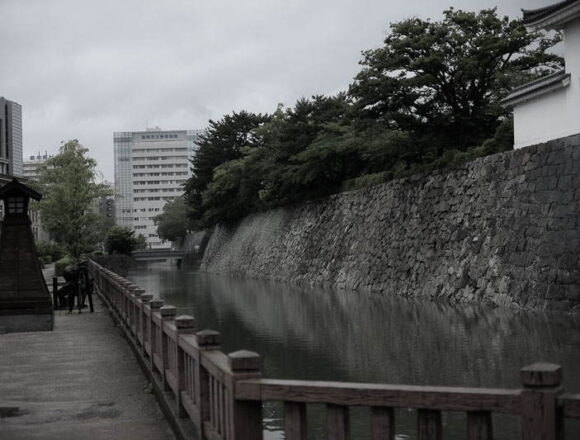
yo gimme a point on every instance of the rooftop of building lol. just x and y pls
(540, 86)
(552, 16)
(35, 159)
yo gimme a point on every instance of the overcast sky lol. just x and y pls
(84, 69)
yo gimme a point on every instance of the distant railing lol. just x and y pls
(157, 254)
(223, 394)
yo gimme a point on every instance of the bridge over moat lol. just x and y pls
(158, 254)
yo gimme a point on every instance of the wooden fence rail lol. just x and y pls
(223, 393)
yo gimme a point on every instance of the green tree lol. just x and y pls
(173, 222)
(221, 142)
(286, 138)
(68, 209)
(121, 240)
(429, 98)
(141, 242)
(443, 81)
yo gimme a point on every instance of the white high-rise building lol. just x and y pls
(150, 168)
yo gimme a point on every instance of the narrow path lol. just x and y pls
(80, 381)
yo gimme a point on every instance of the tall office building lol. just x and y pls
(150, 168)
(10, 138)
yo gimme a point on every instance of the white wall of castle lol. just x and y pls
(556, 114)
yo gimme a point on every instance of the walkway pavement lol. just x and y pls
(79, 381)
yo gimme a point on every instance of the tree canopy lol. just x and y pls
(173, 222)
(121, 240)
(222, 141)
(68, 210)
(429, 97)
(444, 80)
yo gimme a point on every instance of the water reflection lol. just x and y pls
(352, 336)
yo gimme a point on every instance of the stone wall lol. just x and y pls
(503, 229)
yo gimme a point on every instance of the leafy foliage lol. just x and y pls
(173, 222)
(221, 142)
(60, 265)
(443, 81)
(48, 252)
(430, 97)
(121, 240)
(67, 182)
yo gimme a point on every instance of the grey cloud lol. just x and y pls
(83, 69)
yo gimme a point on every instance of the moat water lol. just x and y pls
(318, 334)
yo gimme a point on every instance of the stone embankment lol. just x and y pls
(503, 229)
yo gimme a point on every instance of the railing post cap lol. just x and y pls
(137, 291)
(541, 374)
(168, 311)
(244, 360)
(184, 322)
(156, 303)
(146, 297)
(208, 337)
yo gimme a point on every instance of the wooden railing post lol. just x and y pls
(337, 422)
(154, 306)
(429, 425)
(144, 322)
(382, 423)
(479, 425)
(246, 415)
(184, 325)
(125, 301)
(118, 294)
(295, 421)
(167, 314)
(55, 301)
(539, 409)
(135, 304)
(207, 340)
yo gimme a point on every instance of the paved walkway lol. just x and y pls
(80, 381)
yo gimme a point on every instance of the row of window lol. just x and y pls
(156, 190)
(176, 165)
(153, 174)
(158, 182)
(141, 210)
(157, 150)
(141, 199)
(141, 158)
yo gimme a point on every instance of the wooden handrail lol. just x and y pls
(365, 394)
(223, 394)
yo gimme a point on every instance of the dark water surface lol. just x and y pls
(317, 334)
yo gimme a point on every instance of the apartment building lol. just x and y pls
(150, 168)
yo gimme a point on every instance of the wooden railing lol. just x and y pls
(223, 394)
